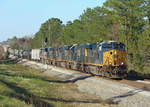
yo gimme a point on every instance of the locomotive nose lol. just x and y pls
(119, 58)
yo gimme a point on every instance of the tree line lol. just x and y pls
(127, 21)
(19, 43)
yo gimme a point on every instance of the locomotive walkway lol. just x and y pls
(115, 93)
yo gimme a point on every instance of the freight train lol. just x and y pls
(107, 59)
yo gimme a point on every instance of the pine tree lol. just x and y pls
(130, 15)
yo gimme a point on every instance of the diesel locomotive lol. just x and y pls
(106, 59)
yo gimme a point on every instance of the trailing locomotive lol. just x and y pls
(106, 59)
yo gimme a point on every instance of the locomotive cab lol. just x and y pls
(114, 57)
(114, 54)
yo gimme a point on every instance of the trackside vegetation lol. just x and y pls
(127, 21)
(21, 86)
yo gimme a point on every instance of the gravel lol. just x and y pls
(115, 93)
(146, 82)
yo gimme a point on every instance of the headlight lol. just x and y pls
(122, 63)
(110, 63)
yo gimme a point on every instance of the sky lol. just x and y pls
(24, 17)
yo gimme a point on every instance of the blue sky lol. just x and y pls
(24, 17)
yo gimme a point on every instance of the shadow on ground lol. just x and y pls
(117, 99)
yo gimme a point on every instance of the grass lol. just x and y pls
(21, 86)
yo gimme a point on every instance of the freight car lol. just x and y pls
(25, 54)
(106, 59)
(35, 54)
(1, 52)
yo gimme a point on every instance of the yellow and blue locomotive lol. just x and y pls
(104, 58)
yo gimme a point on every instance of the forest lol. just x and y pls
(126, 21)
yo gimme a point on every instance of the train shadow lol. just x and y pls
(75, 101)
(80, 78)
(117, 99)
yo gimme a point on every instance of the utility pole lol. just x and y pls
(126, 33)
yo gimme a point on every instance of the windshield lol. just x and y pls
(113, 45)
(118, 46)
(107, 47)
